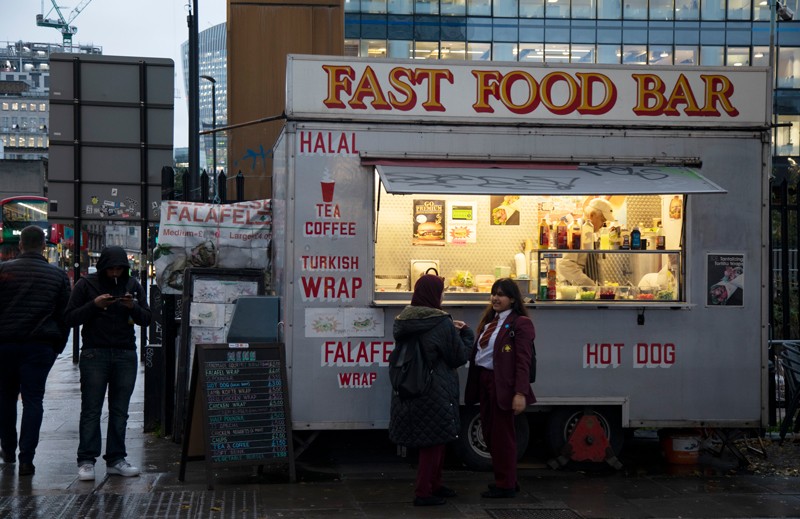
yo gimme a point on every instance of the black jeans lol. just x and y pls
(23, 370)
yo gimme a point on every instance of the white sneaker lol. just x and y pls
(86, 472)
(123, 468)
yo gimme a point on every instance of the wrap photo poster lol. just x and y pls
(505, 210)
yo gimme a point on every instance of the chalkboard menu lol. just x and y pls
(240, 394)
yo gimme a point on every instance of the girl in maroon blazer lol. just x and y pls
(498, 379)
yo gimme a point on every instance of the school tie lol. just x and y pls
(487, 332)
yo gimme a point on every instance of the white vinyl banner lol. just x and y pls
(211, 236)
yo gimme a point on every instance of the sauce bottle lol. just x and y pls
(575, 236)
(544, 234)
(636, 238)
(561, 234)
(587, 235)
(661, 240)
(542, 279)
(551, 279)
(605, 241)
(625, 239)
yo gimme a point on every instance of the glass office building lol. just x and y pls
(631, 32)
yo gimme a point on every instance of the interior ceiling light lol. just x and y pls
(664, 54)
(758, 55)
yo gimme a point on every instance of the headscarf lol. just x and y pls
(428, 292)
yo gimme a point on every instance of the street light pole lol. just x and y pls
(214, 130)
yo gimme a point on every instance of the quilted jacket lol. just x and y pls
(431, 419)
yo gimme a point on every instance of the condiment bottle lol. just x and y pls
(636, 238)
(575, 237)
(625, 239)
(561, 234)
(544, 234)
(605, 242)
(542, 279)
(587, 235)
(661, 240)
(551, 279)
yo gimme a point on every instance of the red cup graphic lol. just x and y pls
(327, 191)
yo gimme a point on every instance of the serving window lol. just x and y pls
(444, 218)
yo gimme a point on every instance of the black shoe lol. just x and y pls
(494, 485)
(444, 491)
(7, 458)
(429, 501)
(26, 469)
(499, 493)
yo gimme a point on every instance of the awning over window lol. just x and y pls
(484, 178)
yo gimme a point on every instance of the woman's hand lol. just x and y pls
(459, 324)
(518, 404)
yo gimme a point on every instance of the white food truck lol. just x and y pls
(386, 168)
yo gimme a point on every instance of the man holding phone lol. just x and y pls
(108, 304)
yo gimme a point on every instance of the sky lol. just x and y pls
(145, 28)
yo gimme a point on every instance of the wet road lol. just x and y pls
(357, 474)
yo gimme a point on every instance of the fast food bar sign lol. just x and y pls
(515, 92)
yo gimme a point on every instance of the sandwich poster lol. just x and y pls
(505, 209)
(429, 222)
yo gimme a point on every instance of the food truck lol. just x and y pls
(388, 168)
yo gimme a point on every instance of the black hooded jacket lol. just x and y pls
(112, 327)
(34, 295)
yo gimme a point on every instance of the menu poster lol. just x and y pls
(725, 279)
(462, 222)
(241, 395)
(429, 222)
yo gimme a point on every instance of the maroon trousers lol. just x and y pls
(429, 470)
(498, 433)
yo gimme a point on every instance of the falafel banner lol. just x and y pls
(194, 234)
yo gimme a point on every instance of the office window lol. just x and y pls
(31, 142)
(760, 57)
(531, 8)
(582, 53)
(557, 9)
(426, 6)
(506, 8)
(373, 6)
(352, 48)
(609, 9)
(556, 53)
(531, 29)
(12, 141)
(3, 122)
(739, 9)
(479, 7)
(661, 10)
(400, 7)
(712, 10)
(504, 52)
(583, 31)
(4, 140)
(454, 28)
(531, 52)
(788, 67)
(635, 10)
(761, 10)
(40, 142)
(399, 27)
(426, 50)
(426, 28)
(738, 57)
(686, 55)
(686, 10)
(5, 106)
(32, 107)
(659, 55)
(400, 48)
(479, 51)
(23, 107)
(454, 50)
(352, 6)
(373, 48)
(711, 56)
(479, 29)
(634, 55)
(453, 7)
(505, 30)
(15, 106)
(583, 9)
(788, 137)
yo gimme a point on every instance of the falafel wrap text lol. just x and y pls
(194, 234)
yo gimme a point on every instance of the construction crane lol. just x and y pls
(61, 23)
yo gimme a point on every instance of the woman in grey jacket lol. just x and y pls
(430, 421)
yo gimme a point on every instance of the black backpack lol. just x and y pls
(409, 371)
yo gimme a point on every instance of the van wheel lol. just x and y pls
(562, 422)
(470, 446)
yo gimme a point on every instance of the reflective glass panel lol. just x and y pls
(426, 50)
(788, 137)
(454, 50)
(400, 7)
(504, 52)
(788, 67)
(712, 9)
(609, 54)
(426, 6)
(711, 56)
(556, 53)
(583, 9)
(686, 55)
(556, 9)
(531, 8)
(399, 49)
(686, 10)
(739, 9)
(659, 55)
(531, 52)
(454, 7)
(479, 51)
(634, 55)
(506, 8)
(661, 9)
(635, 10)
(738, 57)
(479, 7)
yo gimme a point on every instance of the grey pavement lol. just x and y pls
(356, 474)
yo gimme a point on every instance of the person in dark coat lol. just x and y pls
(108, 303)
(499, 379)
(34, 295)
(430, 421)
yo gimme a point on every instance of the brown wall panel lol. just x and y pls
(260, 36)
